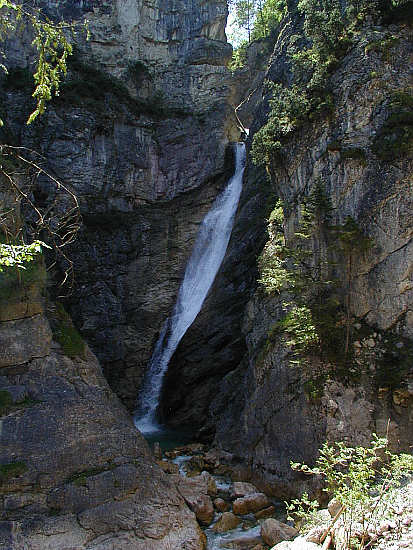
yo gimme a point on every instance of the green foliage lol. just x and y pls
(383, 46)
(303, 511)
(299, 325)
(289, 110)
(7, 405)
(362, 479)
(268, 16)
(328, 31)
(12, 470)
(12, 255)
(98, 91)
(239, 56)
(52, 46)
(67, 336)
(395, 138)
(138, 71)
(255, 19)
(395, 363)
(351, 237)
(318, 320)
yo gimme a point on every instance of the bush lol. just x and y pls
(363, 480)
(395, 138)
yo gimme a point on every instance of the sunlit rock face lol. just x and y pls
(263, 408)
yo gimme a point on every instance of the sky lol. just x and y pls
(234, 35)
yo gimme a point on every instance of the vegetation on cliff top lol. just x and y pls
(329, 29)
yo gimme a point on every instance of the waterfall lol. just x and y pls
(207, 255)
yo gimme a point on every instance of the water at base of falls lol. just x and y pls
(206, 258)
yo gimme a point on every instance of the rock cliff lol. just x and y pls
(268, 411)
(139, 133)
(74, 472)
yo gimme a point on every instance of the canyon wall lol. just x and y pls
(140, 134)
(268, 410)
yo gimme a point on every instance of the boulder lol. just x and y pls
(226, 522)
(239, 507)
(195, 493)
(334, 506)
(221, 505)
(242, 543)
(203, 509)
(242, 488)
(297, 544)
(273, 532)
(265, 513)
(250, 503)
(168, 467)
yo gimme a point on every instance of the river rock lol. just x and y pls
(298, 543)
(250, 503)
(195, 492)
(242, 543)
(168, 467)
(334, 506)
(226, 522)
(273, 531)
(203, 508)
(265, 513)
(242, 488)
(221, 505)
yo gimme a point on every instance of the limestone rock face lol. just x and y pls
(281, 417)
(145, 166)
(259, 405)
(74, 471)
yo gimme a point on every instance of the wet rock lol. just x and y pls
(203, 509)
(221, 505)
(242, 488)
(242, 543)
(250, 503)
(240, 507)
(195, 492)
(265, 513)
(157, 451)
(168, 467)
(273, 532)
(226, 522)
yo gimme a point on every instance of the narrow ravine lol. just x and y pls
(203, 265)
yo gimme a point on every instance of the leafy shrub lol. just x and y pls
(395, 138)
(362, 479)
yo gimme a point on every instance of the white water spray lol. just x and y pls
(207, 255)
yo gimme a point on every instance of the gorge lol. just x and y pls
(300, 325)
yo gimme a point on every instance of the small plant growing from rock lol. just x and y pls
(363, 481)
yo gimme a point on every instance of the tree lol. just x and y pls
(20, 167)
(257, 17)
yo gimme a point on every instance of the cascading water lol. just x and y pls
(208, 253)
